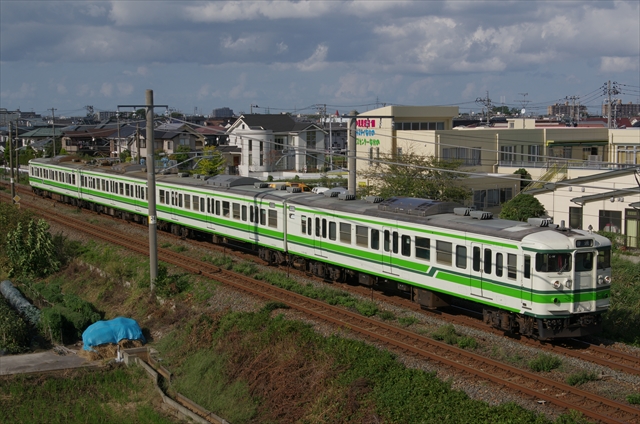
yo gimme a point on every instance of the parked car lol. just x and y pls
(319, 190)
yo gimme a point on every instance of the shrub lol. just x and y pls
(446, 333)
(367, 308)
(14, 332)
(246, 268)
(544, 362)
(467, 343)
(581, 378)
(522, 207)
(170, 285)
(387, 316)
(407, 321)
(634, 398)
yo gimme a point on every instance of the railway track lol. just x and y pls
(528, 384)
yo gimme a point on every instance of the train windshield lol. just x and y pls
(584, 261)
(604, 258)
(553, 262)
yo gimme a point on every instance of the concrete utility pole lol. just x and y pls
(609, 90)
(351, 144)
(53, 126)
(487, 103)
(13, 187)
(151, 188)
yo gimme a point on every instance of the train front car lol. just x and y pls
(570, 282)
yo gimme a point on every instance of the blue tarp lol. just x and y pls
(112, 331)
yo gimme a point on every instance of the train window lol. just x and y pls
(423, 248)
(527, 266)
(604, 258)
(273, 218)
(444, 254)
(324, 228)
(395, 242)
(406, 246)
(263, 216)
(196, 202)
(236, 210)
(332, 230)
(476, 258)
(362, 236)
(487, 261)
(345, 232)
(161, 196)
(218, 207)
(387, 240)
(127, 189)
(375, 239)
(146, 193)
(461, 257)
(225, 209)
(121, 188)
(244, 212)
(201, 204)
(251, 214)
(103, 184)
(512, 266)
(303, 224)
(73, 179)
(553, 262)
(180, 199)
(317, 227)
(187, 201)
(499, 265)
(309, 226)
(584, 261)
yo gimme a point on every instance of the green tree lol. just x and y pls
(181, 153)
(414, 175)
(525, 177)
(212, 162)
(522, 207)
(30, 250)
(501, 109)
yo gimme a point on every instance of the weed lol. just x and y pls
(634, 398)
(544, 362)
(367, 308)
(446, 333)
(387, 316)
(165, 245)
(272, 306)
(246, 268)
(224, 262)
(407, 321)
(179, 249)
(467, 343)
(580, 378)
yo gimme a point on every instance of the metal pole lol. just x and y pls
(13, 187)
(151, 186)
(351, 143)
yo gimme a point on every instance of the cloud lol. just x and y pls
(316, 61)
(26, 91)
(141, 71)
(618, 64)
(106, 89)
(61, 89)
(281, 47)
(124, 89)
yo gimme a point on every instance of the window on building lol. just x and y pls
(278, 143)
(507, 153)
(610, 221)
(311, 139)
(575, 218)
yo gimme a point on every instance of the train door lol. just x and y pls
(389, 249)
(584, 280)
(319, 234)
(210, 212)
(526, 282)
(481, 269)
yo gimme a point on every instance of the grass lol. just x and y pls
(122, 395)
(448, 334)
(622, 320)
(580, 378)
(634, 399)
(544, 362)
(257, 367)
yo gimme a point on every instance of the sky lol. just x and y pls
(297, 56)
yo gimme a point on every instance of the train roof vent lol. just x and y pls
(539, 222)
(294, 190)
(335, 191)
(261, 184)
(373, 199)
(480, 215)
(462, 211)
(227, 181)
(346, 196)
(198, 176)
(416, 206)
(183, 174)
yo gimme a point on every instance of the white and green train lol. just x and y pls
(537, 279)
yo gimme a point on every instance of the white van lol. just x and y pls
(319, 190)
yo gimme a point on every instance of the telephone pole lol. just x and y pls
(486, 102)
(13, 187)
(609, 91)
(53, 126)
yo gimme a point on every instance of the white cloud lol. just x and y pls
(142, 71)
(106, 89)
(282, 47)
(316, 61)
(618, 64)
(124, 89)
(61, 89)
(203, 92)
(240, 43)
(94, 10)
(26, 91)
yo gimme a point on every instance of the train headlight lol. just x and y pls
(557, 284)
(600, 280)
(568, 283)
(607, 279)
